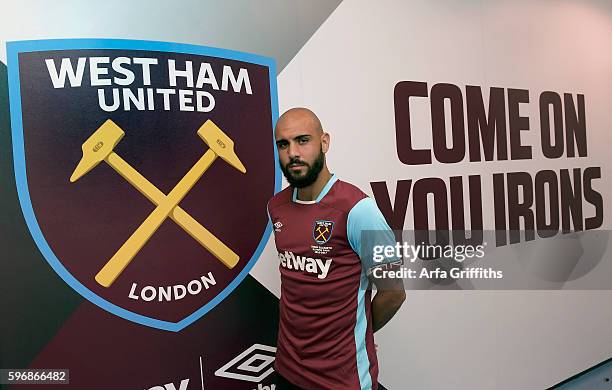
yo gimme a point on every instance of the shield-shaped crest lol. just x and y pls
(144, 168)
(322, 231)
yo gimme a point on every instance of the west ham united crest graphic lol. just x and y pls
(144, 169)
(322, 231)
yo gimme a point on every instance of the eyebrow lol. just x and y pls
(295, 138)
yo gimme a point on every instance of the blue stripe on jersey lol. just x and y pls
(323, 192)
(363, 361)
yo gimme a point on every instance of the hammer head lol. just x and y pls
(221, 144)
(97, 147)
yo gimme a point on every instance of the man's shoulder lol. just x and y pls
(348, 188)
(280, 198)
(344, 196)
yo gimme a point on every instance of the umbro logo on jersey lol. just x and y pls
(277, 226)
(318, 267)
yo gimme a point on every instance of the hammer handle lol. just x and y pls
(113, 268)
(202, 235)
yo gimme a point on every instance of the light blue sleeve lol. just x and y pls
(366, 217)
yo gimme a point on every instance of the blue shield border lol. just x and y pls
(314, 229)
(13, 50)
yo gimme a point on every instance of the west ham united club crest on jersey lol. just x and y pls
(322, 231)
(143, 169)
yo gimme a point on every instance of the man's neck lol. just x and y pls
(312, 191)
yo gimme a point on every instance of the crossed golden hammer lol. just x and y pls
(99, 147)
(322, 233)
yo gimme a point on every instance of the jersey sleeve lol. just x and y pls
(366, 218)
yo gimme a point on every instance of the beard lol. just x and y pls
(309, 177)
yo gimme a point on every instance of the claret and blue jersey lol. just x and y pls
(325, 336)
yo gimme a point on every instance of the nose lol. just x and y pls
(293, 150)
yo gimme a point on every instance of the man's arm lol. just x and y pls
(387, 301)
(384, 306)
(366, 217)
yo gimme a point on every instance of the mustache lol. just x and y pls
(295, 162)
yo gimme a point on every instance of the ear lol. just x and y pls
(325, 142)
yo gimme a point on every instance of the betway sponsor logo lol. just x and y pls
(319, 267)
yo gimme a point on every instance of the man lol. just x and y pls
(327, 317)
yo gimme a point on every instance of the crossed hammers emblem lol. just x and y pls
(99, 147)
(322, 233)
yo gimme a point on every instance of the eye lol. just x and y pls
(303, 141)
(282, 144)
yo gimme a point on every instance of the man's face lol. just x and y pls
(301, 150)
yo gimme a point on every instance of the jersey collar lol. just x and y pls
(323, 192)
